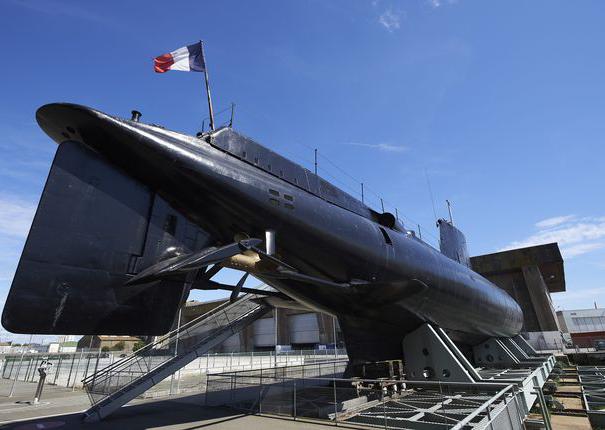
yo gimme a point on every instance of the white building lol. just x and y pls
(584, 325)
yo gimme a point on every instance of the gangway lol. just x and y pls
(117, 384)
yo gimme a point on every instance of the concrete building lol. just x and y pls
(295, 330)
(5, 347)
(38, 347)
(108, 343)
(530, 275)
(68, 347)
(585, 326)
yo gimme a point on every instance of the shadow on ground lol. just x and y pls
(182, 413)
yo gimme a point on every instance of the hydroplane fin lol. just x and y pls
(238, 288)
(182, 264)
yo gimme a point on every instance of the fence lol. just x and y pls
(318, 393)
(68, 370)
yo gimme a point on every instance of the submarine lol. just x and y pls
(134, 216)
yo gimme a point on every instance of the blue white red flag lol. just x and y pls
(187, 59)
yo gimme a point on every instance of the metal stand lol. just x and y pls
(42, 371)
(428, 356)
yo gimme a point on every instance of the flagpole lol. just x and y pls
(207, 88)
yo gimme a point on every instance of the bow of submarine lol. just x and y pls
(227, 196)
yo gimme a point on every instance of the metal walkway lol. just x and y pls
(117, 384)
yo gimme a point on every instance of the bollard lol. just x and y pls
(44, 365)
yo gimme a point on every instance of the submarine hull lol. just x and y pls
(384, 282)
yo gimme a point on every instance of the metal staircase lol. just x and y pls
(122, 381)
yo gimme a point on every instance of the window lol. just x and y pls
(589, 323)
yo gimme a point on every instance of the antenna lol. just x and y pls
(232, 114)
(382, 204)
(449, 210)
(316, 161)
(362, 193)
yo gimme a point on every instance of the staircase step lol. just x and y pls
(229, 318)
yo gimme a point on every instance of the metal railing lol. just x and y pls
(68, 369)
(151, 357)
(318, 392)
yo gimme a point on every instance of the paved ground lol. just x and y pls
(564, 422)
(55, 400)
(61, 409)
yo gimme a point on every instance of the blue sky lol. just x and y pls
(499, 104)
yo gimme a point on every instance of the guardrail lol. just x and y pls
(319, 392)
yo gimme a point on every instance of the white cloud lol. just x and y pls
(582, 248)
(554, 221)
(16, 216)
(437, 3)
(385, 147)
(390, 20)
(575, 236)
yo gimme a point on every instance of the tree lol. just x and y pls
(119, 346)
(138, 345)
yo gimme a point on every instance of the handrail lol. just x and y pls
(484, 406)
(164, 338)
(134, 380)
(99, 376)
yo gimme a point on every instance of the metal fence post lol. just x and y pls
(260, 393)
(384, 408)
(58, 369)
(71, 368)
(335, 402)
(19, 368)
(294, 402)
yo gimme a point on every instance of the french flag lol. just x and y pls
(187, 59)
